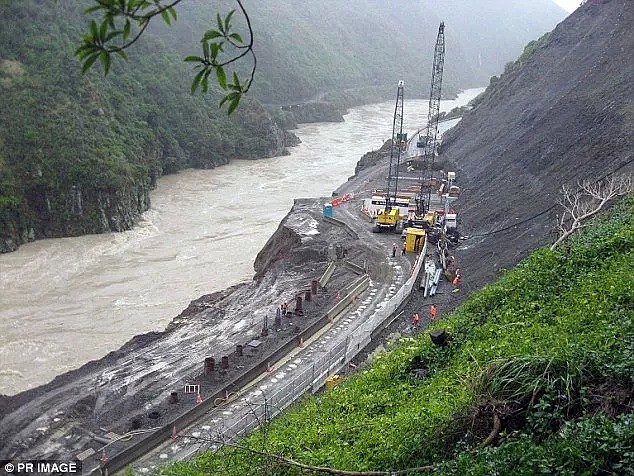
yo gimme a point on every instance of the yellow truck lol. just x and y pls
(387, 220)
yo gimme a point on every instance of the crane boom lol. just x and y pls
(428, 143)
(397, 140)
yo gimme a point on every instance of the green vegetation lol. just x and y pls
(547, 351)
(73, 143)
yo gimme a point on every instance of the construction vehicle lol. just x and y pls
(389, 218)
(427, 142)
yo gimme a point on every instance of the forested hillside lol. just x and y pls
(79, 153)
(309, 48)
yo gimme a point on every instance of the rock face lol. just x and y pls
(561, 113)
(373, 157)
(52, 213)
(73, 210)
(314, 112)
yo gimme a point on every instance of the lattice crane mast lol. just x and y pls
(388, 218)
(428, 142)
(397, 141)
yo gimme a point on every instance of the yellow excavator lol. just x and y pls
(387, 220)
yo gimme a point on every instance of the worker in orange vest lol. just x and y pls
(415, 319)
(433, 311)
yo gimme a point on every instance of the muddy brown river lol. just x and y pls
(66, 301)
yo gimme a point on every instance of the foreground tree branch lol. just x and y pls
(221, 45)
(316, 469)
(586, 201)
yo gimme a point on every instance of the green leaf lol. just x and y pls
(166, 17)
(94, 29)
(233, 105)
(103, 30)
(196, 81)
(206, 50)
(122, 54)
(236, 80)
(221, 76)
(126, 30)
(205, 81)
(83, 51)
(111, 35)
(215, 48)
(228, 20)
(92, 9)
(89, 62)
(228, 97)
(211, 34)
(236, 37)
(172, 11)
(104, 57)
(196, 59)
(221, 27)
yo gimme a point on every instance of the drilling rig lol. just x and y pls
(428, 142)
(388, 218)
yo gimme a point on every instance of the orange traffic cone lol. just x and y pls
(268, 367)
(338, 296)
(199, 399)
(301, 342)
(174, 434)
(104, 456)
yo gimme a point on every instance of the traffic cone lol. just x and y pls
(338, 296)
(268, 367)
(199, 399)
(301, 343)
(104, 456)
(174, 434)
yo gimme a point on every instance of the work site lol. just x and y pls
(439, 211)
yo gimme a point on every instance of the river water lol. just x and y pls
(66, 301)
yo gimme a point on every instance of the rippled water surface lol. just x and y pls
(66, 301)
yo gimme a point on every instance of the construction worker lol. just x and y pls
(433, 312)
(415, 319)
(456, 279)
(403, 248)
(284, 308)
(393, 250)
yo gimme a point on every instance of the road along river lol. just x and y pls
(66, 301)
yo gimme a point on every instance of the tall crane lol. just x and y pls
(397, 141)
(428, 142)
(388, 218)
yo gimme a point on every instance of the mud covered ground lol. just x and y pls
(129, 389)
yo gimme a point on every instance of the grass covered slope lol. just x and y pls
(547, 352)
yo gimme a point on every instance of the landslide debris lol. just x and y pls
(559, 114)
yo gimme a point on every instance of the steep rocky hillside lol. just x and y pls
(562, 112)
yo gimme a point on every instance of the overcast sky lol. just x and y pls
(568, 5)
